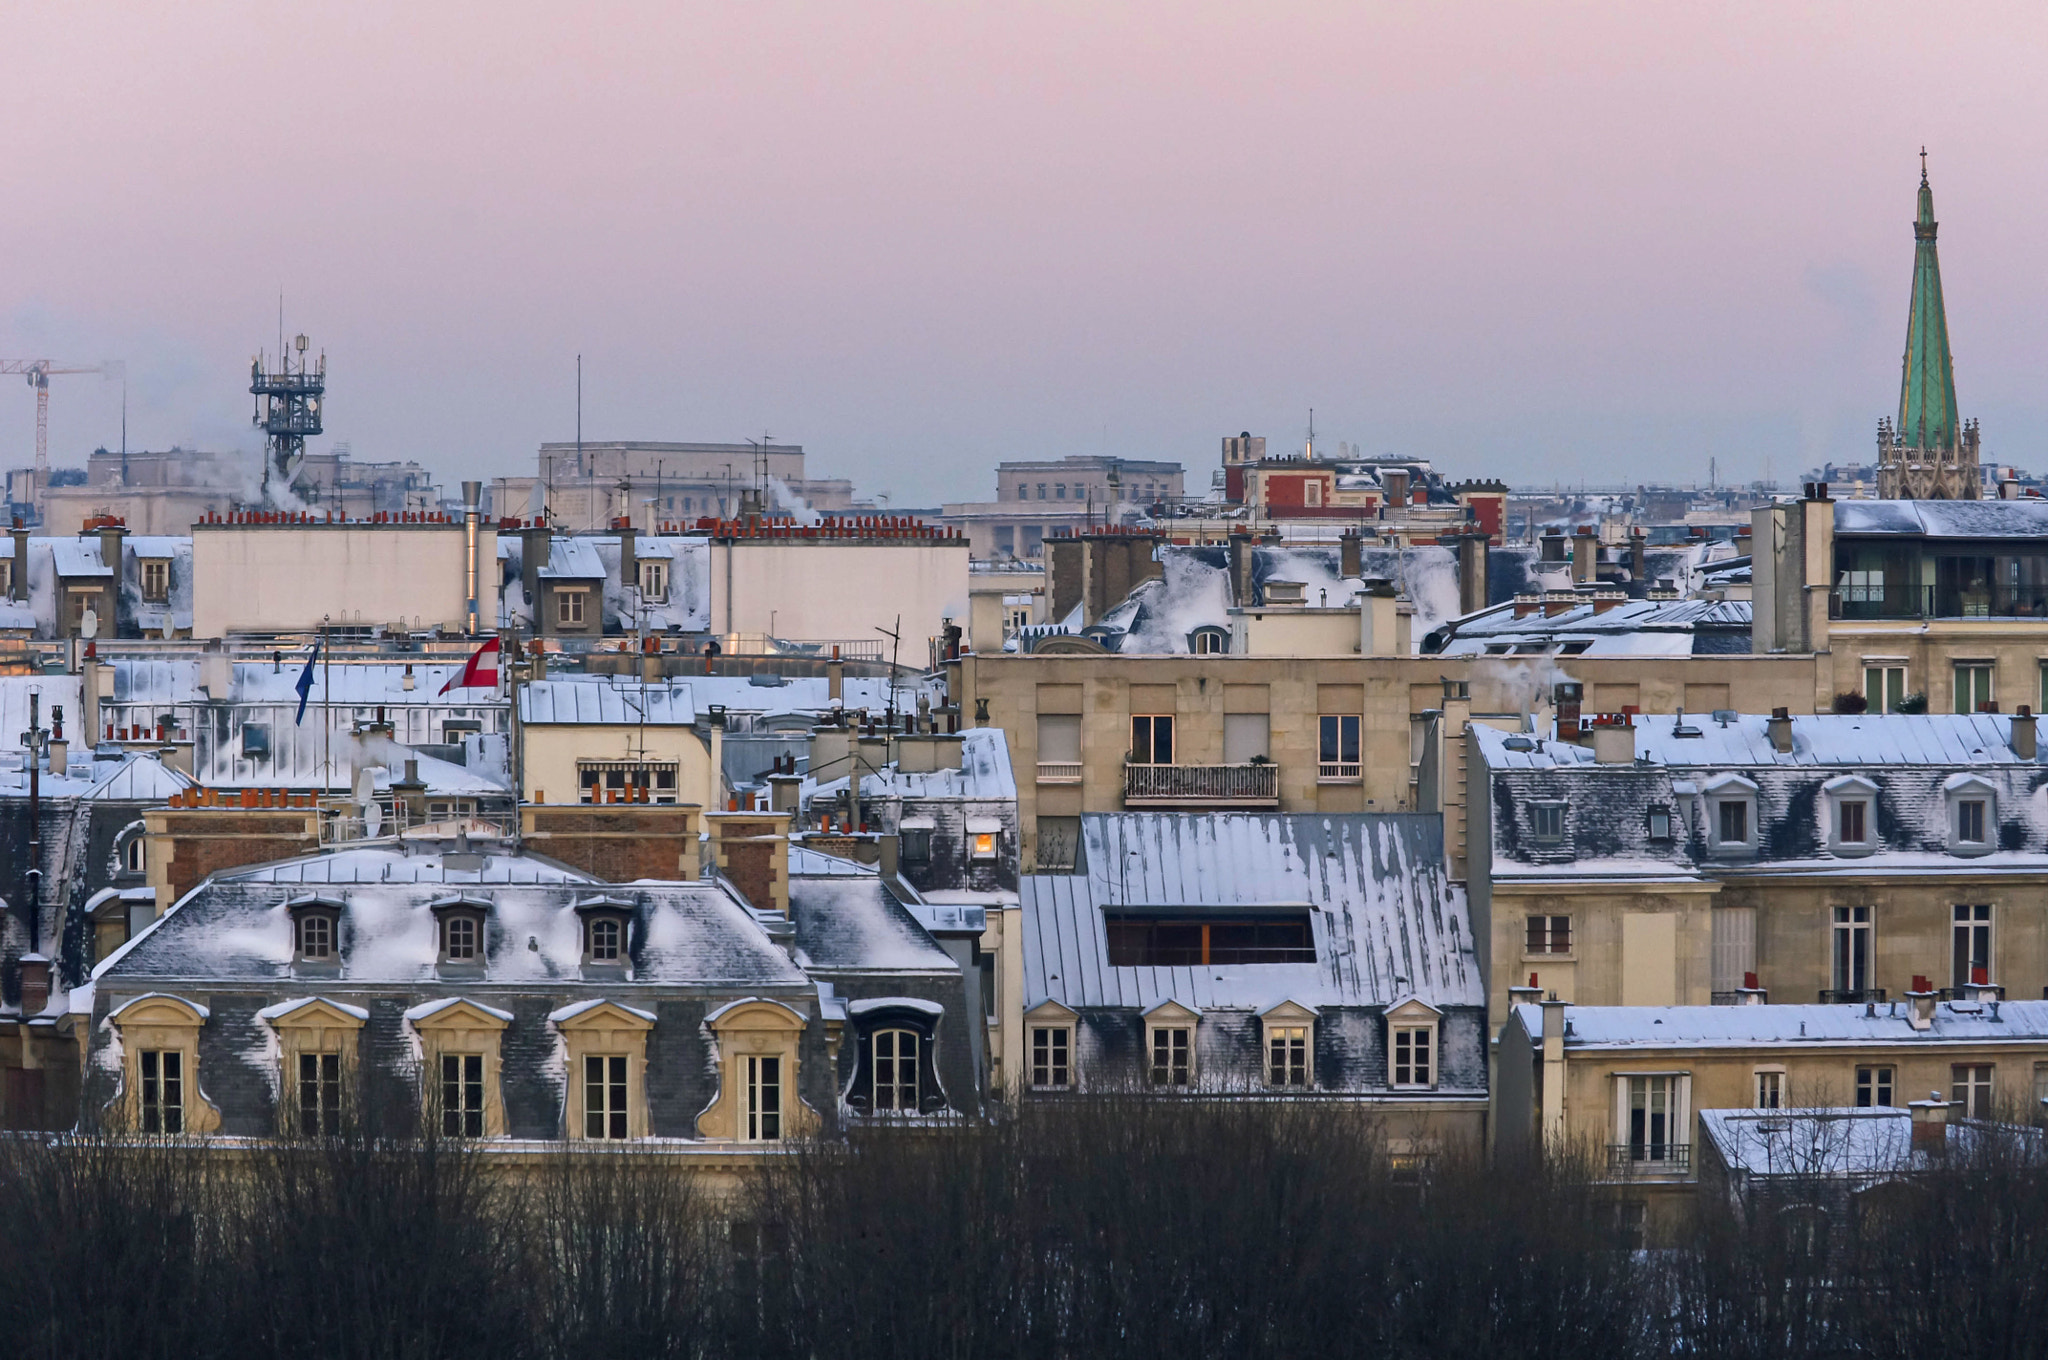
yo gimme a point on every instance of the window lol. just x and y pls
(1660, 824)
(1970, 820)
(156, 580)
(319, 1094)
(606, 937)
(1973, 687)
(1884, 687)
(1733, 821)
(1209, 642)
(1550, 934)
(1170, 1053)
(1051, 1062)
(163, 1091)
(1152, 739)
(1041, 491)
(1853, 813)
(1247, 738)
(459, 938)
(316, 936)
(895, 1071)
(653, 580)
(1412, 1057)
(1546, 822)
(1337, 746)
(135, 855)
(915, 843)
(1164, 942)
(764, 1099)
(569, 608)
(604, 1095)
(1733, 942)
(1970, 1090)
(982, 845)
(1287, 1055)
(462, 1095)
(1873, 1088)
(1770, 1090)
(1034, 540)
(985, 965)
(1651, 1113)
(1852, 950)
(1972, 946)
(626, 781)
(255, 741)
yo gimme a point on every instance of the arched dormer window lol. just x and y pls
(1209, 640)
(895, 1071)
(607, 934)
(316, 933)
(459, 929)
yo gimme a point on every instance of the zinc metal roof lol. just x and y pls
(1749, 1026)
(1828, 739)
(1387, 922)
(606, 701)
(1943, 519)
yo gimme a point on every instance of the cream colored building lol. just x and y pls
(293, 577)
(615, 740)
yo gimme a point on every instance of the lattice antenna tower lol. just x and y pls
(288, 402)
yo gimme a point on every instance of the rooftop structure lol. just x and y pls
(1931, 453)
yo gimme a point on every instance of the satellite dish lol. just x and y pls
(366, 787)
(170, 628)
(373, 819)
(89, 625)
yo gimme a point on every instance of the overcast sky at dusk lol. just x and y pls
(1534, 242)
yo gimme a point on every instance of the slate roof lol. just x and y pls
(853, 923)
(1630, 628)
(1942, 519)
(606, 700)
(1835, 1142)
(984, 774)
(1387, 922)
(1850, 741)
(396, 862)
(238, 930)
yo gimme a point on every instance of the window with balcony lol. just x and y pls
(1652, 1122)
(626, 781)
(1337, 754)
(1152, 739)
(1156, 942)
(1059, 748)
(1970, 946)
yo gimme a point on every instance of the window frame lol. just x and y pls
(1340, 748)
(1054, 1042)
(1659, 815)
(1287, 1041)
(1966, 935)
(604, 1029)
(1543, 811)
(895, 1084)
(1884, 685)
(154, 577)
(652, 570)
(1852, 949)
(761, 1114)
(749, 1029)
(569, 610)
(1767, 1087)
(1963, 792)
(1676, 1089)
(1153, 725)
(1976, 1094)
(1875, 1080)
(469, 1119)
(1171, 1031)
(1848, 797)
(1732, 792)
(1542, 941)
(456, 1027)
(1972, 698)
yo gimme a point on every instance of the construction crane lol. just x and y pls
(38, 372)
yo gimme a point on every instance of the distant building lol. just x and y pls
(1041, 499)
(168, 491)
(586, 487)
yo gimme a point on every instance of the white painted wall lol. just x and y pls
(265, 578)
(839, 591)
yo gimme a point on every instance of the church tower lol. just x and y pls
(1930, 454)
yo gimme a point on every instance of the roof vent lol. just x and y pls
(1519, 744)
(1724, 716)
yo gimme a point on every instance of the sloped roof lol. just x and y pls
(847, 923)
(606, 700)
(394, 863)
(1388, 924)
(1687, 1027)
(1826, 739)
(573, 559)
(139, 779)
(78, 557)
(1943, 519)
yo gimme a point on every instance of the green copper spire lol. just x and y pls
(1927, 390)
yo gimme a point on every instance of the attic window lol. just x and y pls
(1972, 814)
(255, 741)
(1147, 941)
(984, 845)
(1851, 813)
(1499, 648)
(459, 938)
(1660, 823)
(156, 580)
(1209, 640)
(1573, 648)
(1546, 822)
(606, 939)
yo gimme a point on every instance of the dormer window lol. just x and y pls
(316, 936)
(460, 924)
(605, 939)
(156, 580)
(1851, 811)
(1209, 640)
(1972, 814)
(316, 931)
(1660, 823)
(1546, 822)
(1731, 815)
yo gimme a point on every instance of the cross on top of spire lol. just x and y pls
(1923, 165)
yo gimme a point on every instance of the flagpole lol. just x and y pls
(326, 714)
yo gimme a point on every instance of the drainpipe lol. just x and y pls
(472, 494)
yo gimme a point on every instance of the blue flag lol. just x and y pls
(305, 685)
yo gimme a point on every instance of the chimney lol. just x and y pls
(472, 523)
(629, 552)
(1351, 554)
(534, 542)
(1556, 602)
(1565, 698)
(2008, 489)
(1920, 1004)
(1379, 620)
(18, 580)
(411, 793)
(1474, 590)
(1397, 486)
(1553, 546)
(1751, 994)
(2023, 744)
(784, 791)
(1527, 603)
(1240, 571)
(1930, 1124)
(112, 530)
(751, 850)
(1604, 600)
(835, 677)
(35, 984)
(1638, 563)
(1780, 726)
(1614, 739)
(650, 661)
(1554, 1023)
(1585, 556)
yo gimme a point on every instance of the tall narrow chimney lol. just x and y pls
(1930, 1124)
(2023, 735)
(1780, 726)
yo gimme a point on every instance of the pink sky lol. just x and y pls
(1536, 242)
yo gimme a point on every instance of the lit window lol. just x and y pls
(1873, 1087)
(1051, 1064)
(985, 845)
(604, 1095)
(462, 1095)
(895, 1071)
(163, 1090)
(1412, 1057)
(764, 1099)
(319, 1094)
(1170, 1055)
(1287, 1055)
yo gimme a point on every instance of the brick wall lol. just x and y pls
(615, 842)
(187, 844)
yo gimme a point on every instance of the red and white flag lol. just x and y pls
(480, 673)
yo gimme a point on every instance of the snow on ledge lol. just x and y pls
(284, 1008)
(568, 1013)
(427, 1008)
(201, 1011)
(895, 1003)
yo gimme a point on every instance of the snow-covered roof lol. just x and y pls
(400, 862)
(1719, 1027)
(76, 557)
(607, 700)
(983, 774)
(1842, 1142)
(177, 680)
(573, 559)
(1627, 628)
(851, 924)
(139, 779)
(1386, 920)
(1828, 739)
(1943, 519)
